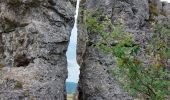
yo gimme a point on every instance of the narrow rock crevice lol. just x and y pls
(73, 75)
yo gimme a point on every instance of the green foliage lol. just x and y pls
(160, 44)
(149, 82)
(95, 22)
(18, 85)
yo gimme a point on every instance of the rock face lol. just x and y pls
(95, 81)
(34, 36)
(167, 8)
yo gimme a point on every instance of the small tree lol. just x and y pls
(141, 81)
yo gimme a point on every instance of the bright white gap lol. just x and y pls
(166, 0)
(73, 67)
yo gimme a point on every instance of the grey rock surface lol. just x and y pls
(95, 81)
(167, 8)
(34, 36)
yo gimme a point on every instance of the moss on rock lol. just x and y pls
(154, 9)
(1, 66)
(18, 85)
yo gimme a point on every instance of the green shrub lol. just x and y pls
(149, 82)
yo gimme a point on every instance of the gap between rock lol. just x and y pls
(73, 67)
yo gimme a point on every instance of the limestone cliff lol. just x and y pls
(34, 36)
(95, 81)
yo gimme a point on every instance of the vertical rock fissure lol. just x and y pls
(73, 67)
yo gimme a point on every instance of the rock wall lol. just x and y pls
(95, 81)
(34, 36)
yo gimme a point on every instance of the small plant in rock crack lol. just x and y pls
(18, 85)
(149, 82)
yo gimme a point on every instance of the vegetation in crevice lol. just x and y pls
(151, 81)
(18, 85)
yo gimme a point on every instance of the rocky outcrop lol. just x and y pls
(95, 81)
(34, 36)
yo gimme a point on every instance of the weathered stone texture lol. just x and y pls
(34, 36)
(95, 81)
